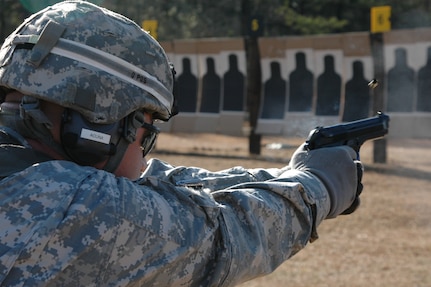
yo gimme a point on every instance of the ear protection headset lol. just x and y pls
(87, 143)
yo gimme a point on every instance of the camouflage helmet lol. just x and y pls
(89, 59)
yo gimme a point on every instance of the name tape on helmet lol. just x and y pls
(95, 136)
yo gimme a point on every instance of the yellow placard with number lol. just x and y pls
(151, 27)
(255, 25)
(380, 19)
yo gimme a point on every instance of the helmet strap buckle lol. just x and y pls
(30, 108)
(134, 121)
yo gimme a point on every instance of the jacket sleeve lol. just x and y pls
(264, 216)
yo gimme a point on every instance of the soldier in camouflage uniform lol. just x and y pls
(79, 205)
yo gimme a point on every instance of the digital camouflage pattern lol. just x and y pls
(90, 59)
(67, 225)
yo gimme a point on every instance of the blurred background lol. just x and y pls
(198, 19)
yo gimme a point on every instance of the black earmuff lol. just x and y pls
(88, 143)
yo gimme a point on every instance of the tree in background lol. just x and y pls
(12, 13)
(184, 19)
(222, 18)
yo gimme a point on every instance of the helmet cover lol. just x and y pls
(89, 59)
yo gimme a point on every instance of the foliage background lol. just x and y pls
(222, 18)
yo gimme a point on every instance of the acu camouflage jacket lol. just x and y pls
(67, 225)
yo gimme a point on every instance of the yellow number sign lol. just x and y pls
(151, 27)
(380, 19)
(254, 25)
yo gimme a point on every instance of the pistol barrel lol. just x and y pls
(353, 133)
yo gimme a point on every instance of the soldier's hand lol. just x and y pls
(340, 172)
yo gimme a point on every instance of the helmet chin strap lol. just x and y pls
(130, 127)
(31, 123)
(115, 160)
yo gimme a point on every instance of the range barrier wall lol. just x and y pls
(307, 82)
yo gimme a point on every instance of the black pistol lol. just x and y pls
(353, 134)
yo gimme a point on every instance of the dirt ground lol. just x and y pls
(387, 242)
